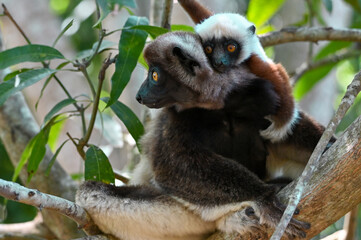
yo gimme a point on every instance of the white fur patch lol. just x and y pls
(234, 26)
(277, 134)
(130, 219)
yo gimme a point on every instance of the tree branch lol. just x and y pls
(18, 193)
(30, 229)
(352, 91)
(313, 34)
(167, 14)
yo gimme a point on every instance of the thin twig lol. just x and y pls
(342, 55)
(16, 192)
(7, 13)
(313, 34)
(352, 90)
(167, 13)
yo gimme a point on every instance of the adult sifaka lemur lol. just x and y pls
(229, 41)
(194, 181)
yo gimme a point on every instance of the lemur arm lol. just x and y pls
(195, 10)
(277, 75)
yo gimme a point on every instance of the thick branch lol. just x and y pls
(16, 192)
(167, 13)
(313, 34)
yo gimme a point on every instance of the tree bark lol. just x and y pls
(333, 190)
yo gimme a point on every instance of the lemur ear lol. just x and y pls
(252, 29)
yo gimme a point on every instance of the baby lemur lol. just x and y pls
(193, 180)
(229, 40)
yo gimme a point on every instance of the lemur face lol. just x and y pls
(222, 53)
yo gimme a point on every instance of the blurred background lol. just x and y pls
(318, 91)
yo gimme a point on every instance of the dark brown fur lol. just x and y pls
(277, 75)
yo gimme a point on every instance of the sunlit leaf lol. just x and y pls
(97, 166)
(184, 28)
(28, 53)
(55, 132)
(142, 61)
(261, 11)
(130, 120)
(131, 44)
(21, 81)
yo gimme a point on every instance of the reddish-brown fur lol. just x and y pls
(279, 78)
(196, 11)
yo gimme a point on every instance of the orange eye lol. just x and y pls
(155, 76)
(208, 49)
(231, 48)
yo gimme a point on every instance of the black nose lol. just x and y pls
(218, 63)
(139, 98)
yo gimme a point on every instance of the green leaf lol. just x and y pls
(328, 5)
(260, 11)
(131, 44)
(24, 158)
(62, 32)
(309, 79)
(21, 81)
(55, 132)
(142, 61)
(28, 53)
(58, 107)
(13, 74)
(97, 166)
(153, 31)
(39, 149)
(130, 120)
(52, 161)
(184, 28)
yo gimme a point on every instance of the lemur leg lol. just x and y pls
(288, 157)
(140, 212)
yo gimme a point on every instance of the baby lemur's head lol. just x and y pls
(229, 39)
(180, 75)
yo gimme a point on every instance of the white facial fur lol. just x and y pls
(234, 26)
